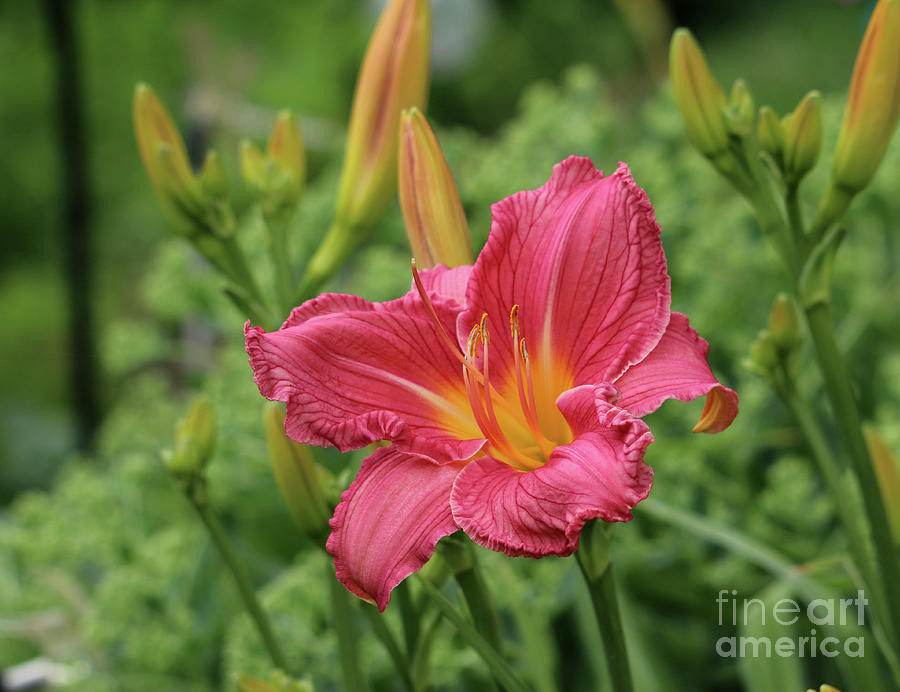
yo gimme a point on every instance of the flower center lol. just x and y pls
(528, 453)
(509, 423)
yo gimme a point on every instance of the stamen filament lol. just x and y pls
(488, 424)
(454, 348)
(527, 403)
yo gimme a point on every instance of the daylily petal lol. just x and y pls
(600, 474)
(389, 521)
(678, 369)
(581, 256)
(447, 282)
(353, 372)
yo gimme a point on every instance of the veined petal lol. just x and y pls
(447, 282)
(353, 372)
(581, 256)
(678, 369)
(389, 521)
(541, 512)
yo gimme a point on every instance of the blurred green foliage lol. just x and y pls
(135, 589)
(109, 567)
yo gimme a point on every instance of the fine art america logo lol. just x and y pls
(817, 621)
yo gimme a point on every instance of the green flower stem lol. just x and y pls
(381, 629)
(338, 243)
(249, 308)
(409, 616)
(276, 230)
(795, 217)
(421, 660)
(238, 271)
(498, 665)
(348, 638)
(835, 479)
(843, 404)
(481, 603)
(197, 496)
(458, 552)
(754, 552)
(606, 611)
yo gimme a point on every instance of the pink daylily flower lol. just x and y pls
(511, 391)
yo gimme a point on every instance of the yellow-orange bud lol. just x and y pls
(276, 178)
(393, 77)
(699, 97)
(297, 475)
(803, 137)
(164, 155)
(286, 149)
(887, 471)
(435, 222)
(873, 103)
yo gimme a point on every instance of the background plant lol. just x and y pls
(143, 575)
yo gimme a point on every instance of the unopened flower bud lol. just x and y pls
(435, 222)
(784, 324)
(873, 103)
(393, 77)
(253, 169)
(699, 97)
(165, 159)
(195, 437)
(298, 476)
(286, 149)
(739, 115)
(770, 135)
(763, 354)
(887, 471)
(803, 137)
(213, 177)
(181, 196)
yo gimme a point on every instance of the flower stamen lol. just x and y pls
(526, 402)
(445, 337)
(482, 403)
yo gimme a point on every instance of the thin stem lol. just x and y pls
(501, 670)
(795, 217)
(606, 612)
(276, 230)
(383, 632)
(248, 595)
(249, 308)
(238, 270)
(409, 616)
(348, 638)
(843, 404)
(835, 479)
(756, 553)
(338, 243)
(459, 553)
(420, 662)
(481, 603)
